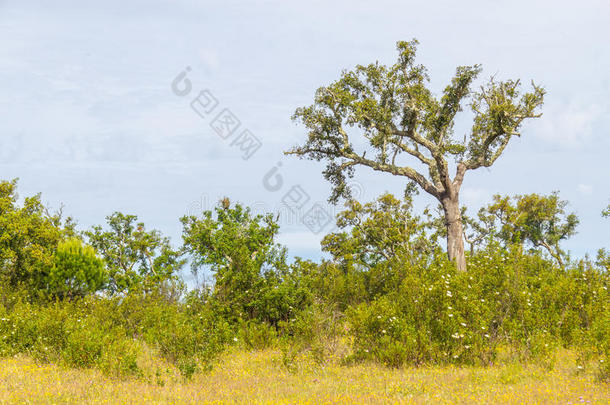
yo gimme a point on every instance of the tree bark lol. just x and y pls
(455, 229)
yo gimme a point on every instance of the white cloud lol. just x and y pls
(569, 124)
(585, 189)
(209, 58)
(300, 240)
(471, 196)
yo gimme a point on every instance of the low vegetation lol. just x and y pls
(108, 297)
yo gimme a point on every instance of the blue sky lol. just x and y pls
(90, 120)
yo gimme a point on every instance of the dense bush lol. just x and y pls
(506, 299)
(252, 278)
(110, 333)
(388, 293)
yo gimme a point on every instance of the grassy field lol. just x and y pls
(260, 377)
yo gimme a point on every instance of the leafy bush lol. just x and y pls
(183, 335)
(110, 333)
(388, 294)
(594, 345)
(257, 335)
(252, 281)
(504, 300)
(135, 258)
(318, 330)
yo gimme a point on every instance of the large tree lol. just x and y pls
(376, 116)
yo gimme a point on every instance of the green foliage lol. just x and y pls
(594, 346)
(397, 115)
(319, 330)
(387, 294)
(250, 270)
(29, 236)
(377, 232)
(134, 257)
(603, 256)
(257, 335)
(505, 300)
(601, 335)
(536, 219)
(110, 333)
(77, 333)
(76, 271)
(339, 285)
(186, 336)
(389, 113)
(603, 259)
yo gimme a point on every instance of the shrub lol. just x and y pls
(319, 330)
(252, 279)
(109, 333)
(257, 335)
(594, 345)
(522, 302)
(188, 335)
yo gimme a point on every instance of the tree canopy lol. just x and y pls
(133, 254)
(387, 119)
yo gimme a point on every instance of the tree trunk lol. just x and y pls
(455, 229)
